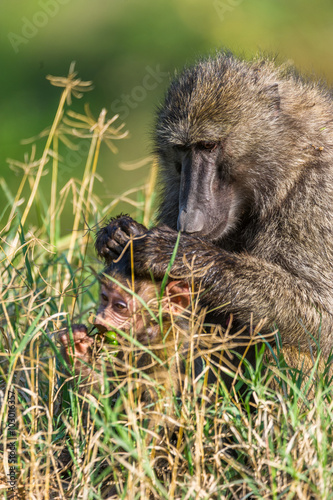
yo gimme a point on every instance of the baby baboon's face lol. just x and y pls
(121, 309)
(115, 309)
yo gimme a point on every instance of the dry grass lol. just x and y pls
(251, 441)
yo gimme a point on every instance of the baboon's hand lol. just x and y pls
(112, 238)
(153, 252)
(82, 343)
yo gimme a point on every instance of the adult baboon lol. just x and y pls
(246, 174)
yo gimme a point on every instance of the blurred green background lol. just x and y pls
(130, 48)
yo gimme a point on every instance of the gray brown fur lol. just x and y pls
(274, 257)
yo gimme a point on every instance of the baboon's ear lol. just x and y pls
(178, 294)
(273, 95)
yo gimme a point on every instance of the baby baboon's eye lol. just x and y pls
(120, 305)
(104, 297)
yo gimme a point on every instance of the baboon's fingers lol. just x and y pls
(111, 239)
(81, 329)
(109, 255)
(82, 345)
(120, 237)
(103, 243)
(63, 338)
(79, 332)
(131, 227)
(114, 245)
(125, 227)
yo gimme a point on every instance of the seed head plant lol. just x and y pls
(267, 436)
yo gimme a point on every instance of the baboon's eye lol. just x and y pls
(120, 305)
(104, 297)
(180, 147)
(210, 146)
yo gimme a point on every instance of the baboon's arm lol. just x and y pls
(240, 284)
(237, 283)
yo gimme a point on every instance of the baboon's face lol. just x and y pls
(135, 312)
(117, 308)
(220, 140)
(208, 199)
(212, 182)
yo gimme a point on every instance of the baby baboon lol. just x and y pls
(246, 174)
(157, 356)
(139, 316)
